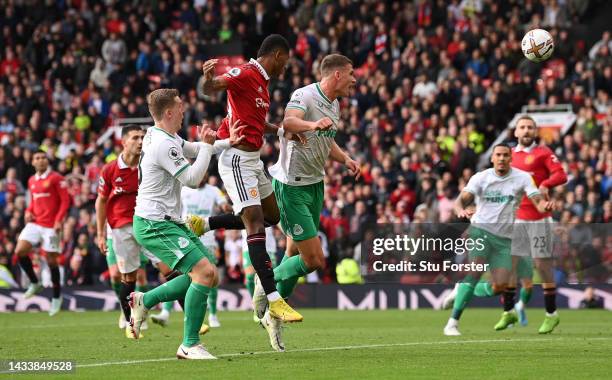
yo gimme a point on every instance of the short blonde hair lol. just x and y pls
(160, 100)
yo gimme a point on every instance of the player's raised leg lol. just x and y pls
(22, 250)
(524, 273)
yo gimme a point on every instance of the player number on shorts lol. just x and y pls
(539, 242)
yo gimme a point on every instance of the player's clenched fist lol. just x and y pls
(323, 124)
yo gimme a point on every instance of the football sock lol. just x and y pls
(525, 295)
(250, 283)
(117, 288)
(261, 261)
(550, 295)
(126, 289)
(194, 313)
(142, 288)
(464, 295)
(288, 273)
(172, 290)
(212, 300)
(55, 280)
(509, 294)
(231, 222)
(227, 221)
(483, 289)
(26, 264)
(168, 306)
(170, 276)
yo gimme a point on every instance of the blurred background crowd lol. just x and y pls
(438, 81)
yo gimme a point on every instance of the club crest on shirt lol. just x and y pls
(529, 159)
(46, 184)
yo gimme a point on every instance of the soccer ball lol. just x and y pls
(537, 45)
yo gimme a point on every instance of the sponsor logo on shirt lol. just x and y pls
(328, 133)
(497, 197)
(260, 103)
(40, 195)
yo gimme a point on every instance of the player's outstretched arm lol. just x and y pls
(338, 155)
(193, 174)
(212, 84)
(463, 205)
(294, 122)
(541, 203)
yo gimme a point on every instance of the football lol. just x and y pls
(537, 45)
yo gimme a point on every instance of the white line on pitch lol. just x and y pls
(339, 348)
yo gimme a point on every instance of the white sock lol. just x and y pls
(164, 314)
(551, 314)
(273, 296)
(452, 322)
(520, 304)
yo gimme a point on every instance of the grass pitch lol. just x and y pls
(333, 344)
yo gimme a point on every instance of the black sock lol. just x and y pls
(231, 222)
(509, 298)
(169, 277)
(227, 221)
(55, 280)
(26, 265)
(126, 289)
(550, 300)
(261, 261)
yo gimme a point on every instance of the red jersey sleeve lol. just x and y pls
(557, 175)
(235, 78)
(62, 190)
(104, 183)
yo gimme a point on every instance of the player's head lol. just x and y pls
(275, 51)
(339, 70)
(131, 139)
(525, 130)
(166, 107)
(501, 158)
(40, 161)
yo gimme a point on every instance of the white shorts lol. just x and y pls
(36, 234)
(244, 178)
(127, 250)
(533, 238)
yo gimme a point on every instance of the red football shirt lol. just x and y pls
(544, 167)
(119, 183)
(49, 198)
(248, 100)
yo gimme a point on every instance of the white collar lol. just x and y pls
(44, 175)
(120, 163)
(528, 149)
(260, 68)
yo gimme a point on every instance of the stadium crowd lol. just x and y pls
(438, 81)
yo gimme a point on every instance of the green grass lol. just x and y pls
(328, 344)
